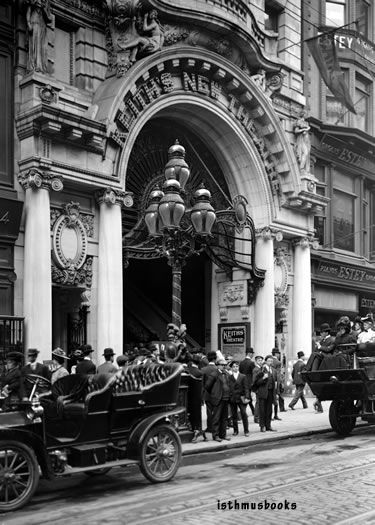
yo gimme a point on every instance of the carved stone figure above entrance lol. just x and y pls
(130, 33)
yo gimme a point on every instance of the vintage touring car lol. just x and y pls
(351, 389)
(90, 424)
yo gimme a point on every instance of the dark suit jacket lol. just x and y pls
(86, 367)
(238, 387)
(327, 344)
(40, 370)
(209, 371)
(215, 386)
(264, 384)
(247, 367)
(296, 372)
(13, 380)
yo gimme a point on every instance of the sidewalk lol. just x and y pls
(298, 422)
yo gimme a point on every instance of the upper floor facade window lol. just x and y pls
(335, 14)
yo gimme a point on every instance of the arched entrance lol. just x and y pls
(147, 283)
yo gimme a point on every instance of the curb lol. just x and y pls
(255, 442)
(247, 443)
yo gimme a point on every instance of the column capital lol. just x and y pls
(35, 179)
(306, 242)
(112, 196)
(267, 233)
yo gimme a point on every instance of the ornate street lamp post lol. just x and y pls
(177, 231)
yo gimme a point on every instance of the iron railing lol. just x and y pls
(11, 336)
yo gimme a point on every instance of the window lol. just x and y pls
(343, 201)
(335, 13)
(271, 17)
(362, 16)
(64, 54)
(6, 122)
(362, 103)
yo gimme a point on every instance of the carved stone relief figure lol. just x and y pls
(303, 143)
(38, 17)
(131, 33)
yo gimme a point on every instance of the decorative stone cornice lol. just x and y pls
(267, 233)
(36, 179)
(111, 196)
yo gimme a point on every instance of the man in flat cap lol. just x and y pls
(108, 367)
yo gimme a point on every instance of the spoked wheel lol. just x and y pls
(160, 454)
(339, 416)
(19, 475)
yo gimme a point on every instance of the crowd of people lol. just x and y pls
(336, 347)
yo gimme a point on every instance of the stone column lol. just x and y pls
(302, 298)
(37, 281)
(264, 330)
(110, 271)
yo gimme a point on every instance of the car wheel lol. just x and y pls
(339, 417)
(160, 454)
(98, 471)
(19, 475)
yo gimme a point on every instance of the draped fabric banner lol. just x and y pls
(323, 50)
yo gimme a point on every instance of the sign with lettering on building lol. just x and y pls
(345, 273)
(234, 338)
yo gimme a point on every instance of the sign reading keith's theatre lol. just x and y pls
(234, 338)
(346, 273)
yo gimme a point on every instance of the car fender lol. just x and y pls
(33, 441)
(139, 432)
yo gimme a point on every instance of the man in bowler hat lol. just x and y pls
(108, 367)
(298, 367)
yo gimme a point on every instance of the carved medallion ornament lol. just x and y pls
(69, 248)
(232, 294)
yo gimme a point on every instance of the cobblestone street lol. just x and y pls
(328, 480)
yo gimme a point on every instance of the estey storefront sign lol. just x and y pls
(356, 47)
(234, 338)
(338, 149)
(346, 273)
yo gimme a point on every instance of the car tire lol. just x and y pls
(160, 454)
(338, 416)
(19, 475)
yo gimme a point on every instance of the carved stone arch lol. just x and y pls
(261, 134)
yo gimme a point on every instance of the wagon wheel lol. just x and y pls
(160, 454)
(98, 471)
(19, 475)
(338, 417)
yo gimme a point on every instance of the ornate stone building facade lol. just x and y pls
(102, 89)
